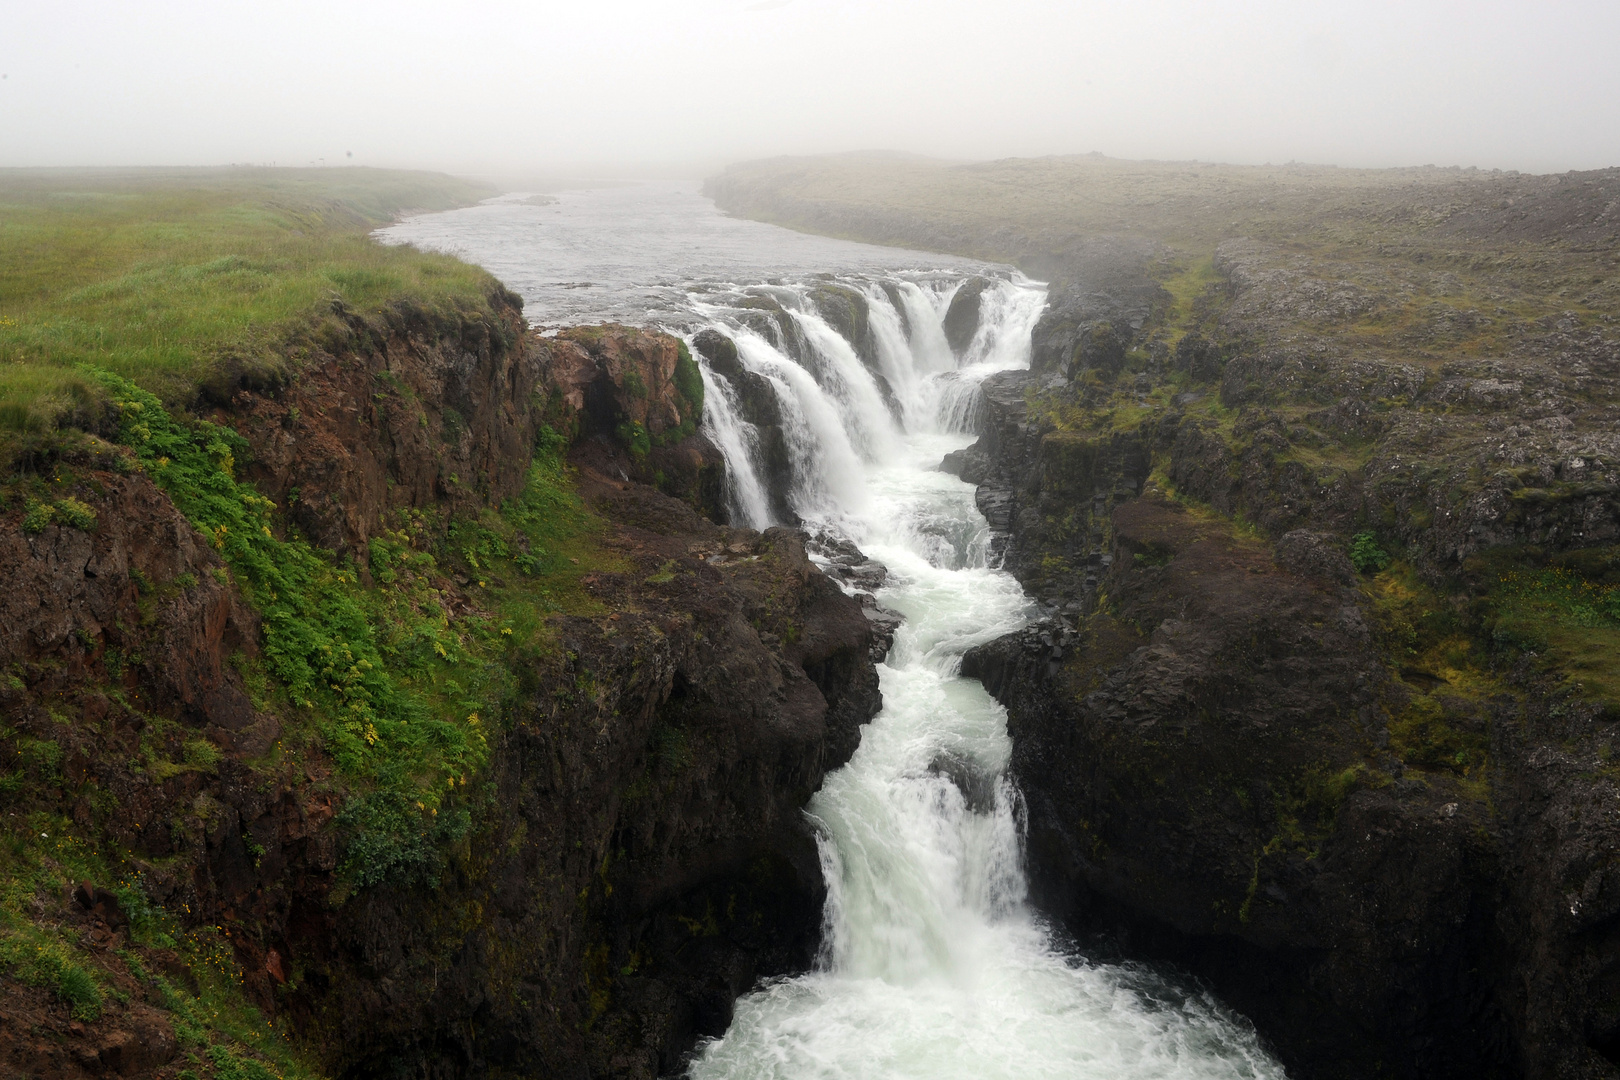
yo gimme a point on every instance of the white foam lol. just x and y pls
(932, 966)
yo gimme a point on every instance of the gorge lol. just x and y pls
(722, 651)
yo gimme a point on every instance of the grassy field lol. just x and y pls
(1430, 241)
(159, 275)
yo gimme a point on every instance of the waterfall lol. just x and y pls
(841, 413)
(931, 964)
(833, 397)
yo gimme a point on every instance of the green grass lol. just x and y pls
(1569, 616)
(398, 693)
(166, 277)
(42, 857)
(1186, 281)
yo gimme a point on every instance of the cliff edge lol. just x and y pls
(388, 717)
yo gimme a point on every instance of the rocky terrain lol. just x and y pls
(619, 852)
(1314, 473)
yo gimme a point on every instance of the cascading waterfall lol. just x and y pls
(932, 965)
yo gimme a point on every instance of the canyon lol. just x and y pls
(1277, 520)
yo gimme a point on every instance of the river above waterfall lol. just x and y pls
(631, 253)
(836, 377)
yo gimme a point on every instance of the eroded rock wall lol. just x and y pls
(1202, 728)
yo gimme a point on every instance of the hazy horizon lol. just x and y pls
(634, 88)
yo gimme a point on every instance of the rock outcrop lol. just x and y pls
(1370, 805)
(636, 397)
(634, 856)
(1214, 732)
(408, 410)
(1198, 761)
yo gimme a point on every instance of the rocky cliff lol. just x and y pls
(639, 698)
(1356, 797)
(1313, 474)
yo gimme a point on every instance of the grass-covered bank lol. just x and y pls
(163, 275)
(130, 302)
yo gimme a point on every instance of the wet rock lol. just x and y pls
(757, 404)
(846, 563)
(847, 312)
(962, 316)
(884, 621)
(1315, 555)
(977, 785)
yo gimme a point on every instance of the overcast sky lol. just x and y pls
(506, 87)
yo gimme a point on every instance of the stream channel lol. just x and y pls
(932, 964)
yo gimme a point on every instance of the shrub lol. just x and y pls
(37, 515)
(633, 434)
(1365, 554)
(75, 513)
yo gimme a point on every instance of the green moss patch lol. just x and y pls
(395, 690)
(192, 974)
(1567, 614)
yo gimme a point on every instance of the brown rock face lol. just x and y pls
(619, 391)
(615, 374)
(411, 411)
(74, 602)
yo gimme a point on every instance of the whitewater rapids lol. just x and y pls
(931, 964)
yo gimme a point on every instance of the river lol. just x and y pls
(932, 963)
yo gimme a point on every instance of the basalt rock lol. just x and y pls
(756, 403)
(962, 317)
(1191, 760)
(622, 393)
(643, 860)
(847, 312)
(1209, 770)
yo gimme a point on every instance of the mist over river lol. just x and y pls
(932, 965)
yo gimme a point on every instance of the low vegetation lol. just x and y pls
(189, 972)
(398, 693)
(165, 276)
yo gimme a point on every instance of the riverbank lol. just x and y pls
(187, 281)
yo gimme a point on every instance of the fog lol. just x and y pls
(628, 86)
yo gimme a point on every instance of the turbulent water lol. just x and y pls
(932, 964)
